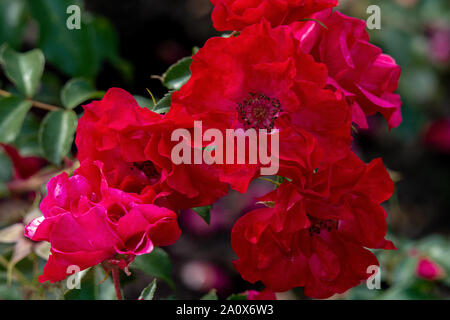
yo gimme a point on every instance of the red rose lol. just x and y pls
(87, 222)
(367, 77)
(316, 233)
(134, 144)
(238, 14)
(262, 80)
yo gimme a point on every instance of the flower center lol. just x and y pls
(148, 168)
(258, 111)
(319, 225)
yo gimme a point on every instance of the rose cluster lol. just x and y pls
(295, 67)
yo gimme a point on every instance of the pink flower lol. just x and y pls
(366, 77)
(87, 222)
(428, 269)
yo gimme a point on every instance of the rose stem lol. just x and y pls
(116, 280)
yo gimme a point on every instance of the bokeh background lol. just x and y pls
(125, 43)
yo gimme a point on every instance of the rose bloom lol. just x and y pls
(314, 233)
(88, 222)
(134, 144)
(358, 69)
(238, 14)
(429, 270)
(262, 80)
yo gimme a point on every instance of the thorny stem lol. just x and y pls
(116, 280)
(37, 104)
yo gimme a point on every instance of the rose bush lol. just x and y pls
(284, 73)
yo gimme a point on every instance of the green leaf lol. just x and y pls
(77, 91)
(79, 52)
(27, 142)
(72, 51)
(156, 264)
(6, 167)
(178, 74)
(10, 292)
(212, 295)
(204, 213)
(238, 297)
(13, 18)
(23, 69)
(92, 286)
(56, 134)
(12, 114)
(163, 105)
(144, 102)
(149, 291)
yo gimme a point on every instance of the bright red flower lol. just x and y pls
(134, 144)
(262, 80)
(237, 14)
(367, 77)
(314, 234)
(87, 222)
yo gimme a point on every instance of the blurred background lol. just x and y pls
(125, 43)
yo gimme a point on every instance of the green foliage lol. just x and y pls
(77, 91)
(57, 133)
(13, 19)
(212, 295)
(238, 297)
(178, 74)
(149, 291)
(93, 286)
(6, 167)
(23, 69)
(204, 213)
(163, 105)
(77, 53)
(12, 114)
(27, 142)
(156, 264)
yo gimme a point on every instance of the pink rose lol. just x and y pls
(358, 69)
(87, 222)
(429, 269)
